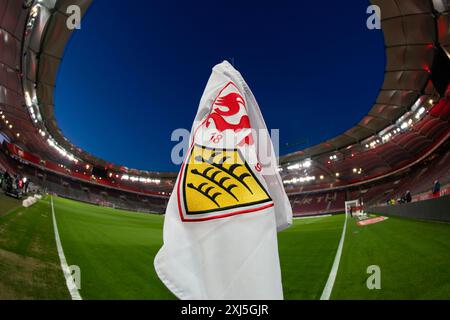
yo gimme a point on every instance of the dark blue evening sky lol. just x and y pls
(137, 69)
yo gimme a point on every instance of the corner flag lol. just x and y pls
(221, 222)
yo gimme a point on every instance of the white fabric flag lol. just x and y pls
(221, 222)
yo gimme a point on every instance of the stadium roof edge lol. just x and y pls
(410, 55)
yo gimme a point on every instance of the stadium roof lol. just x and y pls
(411, 33)
(409, 119)
(41, 48)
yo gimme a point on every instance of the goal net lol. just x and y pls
(354, 208)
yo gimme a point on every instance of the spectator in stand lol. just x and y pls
(436, 188)
(25, 184)
(408, 197)
(7, 180)
(19, 182)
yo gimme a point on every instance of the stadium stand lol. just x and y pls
(419, 180)
(401, 144)
(427, 209)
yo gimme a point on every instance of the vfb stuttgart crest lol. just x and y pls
(216, 179)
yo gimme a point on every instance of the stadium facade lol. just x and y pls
(401, 144)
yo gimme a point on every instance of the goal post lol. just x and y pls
(354, 208)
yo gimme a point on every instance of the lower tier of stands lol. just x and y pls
(68, 187)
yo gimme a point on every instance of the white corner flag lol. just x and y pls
(221, 222)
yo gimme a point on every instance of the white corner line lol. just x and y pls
(73, 290)
(332, 277)
(312, 217)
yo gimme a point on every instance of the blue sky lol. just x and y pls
(136, 72)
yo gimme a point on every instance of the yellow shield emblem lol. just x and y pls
(219, 180)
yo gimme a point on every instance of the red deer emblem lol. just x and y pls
(232, 102)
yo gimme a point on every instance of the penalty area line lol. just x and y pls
(70, 282)
(333, 273)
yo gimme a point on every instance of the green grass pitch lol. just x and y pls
(115, 251)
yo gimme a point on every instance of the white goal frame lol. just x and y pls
(355, 204)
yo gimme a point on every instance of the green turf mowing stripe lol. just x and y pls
(8, 204)
(334, 270)
(70, 281)
(29, 265)
(114, 250)
(413, 256)
(307, 250)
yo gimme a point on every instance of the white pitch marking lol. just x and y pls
(332, 277)
(312, 217)
(73, 290)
